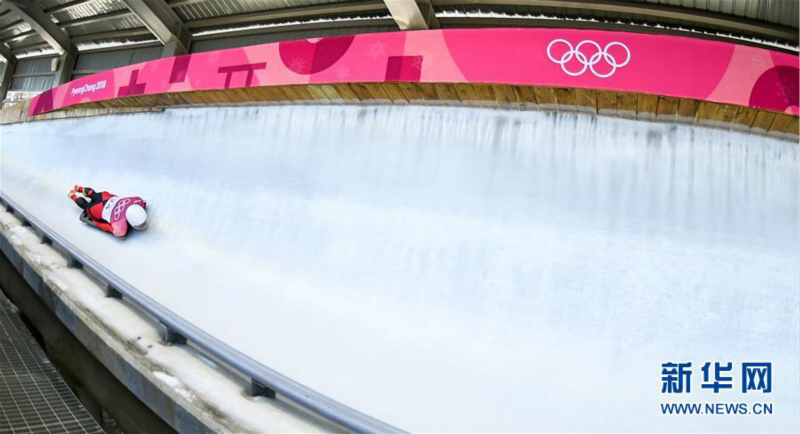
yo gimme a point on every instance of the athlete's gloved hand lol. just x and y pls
(71, 194)
(78, 188)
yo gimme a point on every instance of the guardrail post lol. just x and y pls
(171, 337)
(258, 389)
(74, 263)
(9, 209)
(46, 240)
(111, 292)
(26, 224)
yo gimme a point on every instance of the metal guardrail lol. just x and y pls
(264, 381)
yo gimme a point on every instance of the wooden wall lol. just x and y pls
(630, 105)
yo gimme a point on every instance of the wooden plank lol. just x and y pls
(606, 101)
(317, 93)
(272, 94)
(268, 94)
(346, 92)
(485, 94)
(707, 112)
(667, 107)
(284, 94)
(504, 95)
(586, 100)
(546, 97)
(763, 121)
(744, 118)
(565, 98)
(428, 92)
(331, 93)
(627, 104)
(525, 95)
(410, 91)
(298, 93)
(794, 126)
(687, 110)
(781, 123)
(726, 113)
(466, 93)
(646, 106)
(378, 94)
(361, 90)
(446, 92)
(394, 92)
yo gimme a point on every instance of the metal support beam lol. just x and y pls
(66, 63)
(5, 79)
(10, 26)
(30, 12)
(413, 14)
(164, 23)
(22, 36)
(127, 33)
(8, 71)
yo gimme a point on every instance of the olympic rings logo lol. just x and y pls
(589, 62)
(118, 209)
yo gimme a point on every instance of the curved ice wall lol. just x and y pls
(451, 269)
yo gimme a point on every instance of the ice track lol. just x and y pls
(450, 269)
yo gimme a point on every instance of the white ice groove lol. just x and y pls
(450, 269)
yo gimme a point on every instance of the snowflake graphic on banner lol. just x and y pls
(342, 72)
(427, 57)
(298, 64)
(376, 50)
(758, 62)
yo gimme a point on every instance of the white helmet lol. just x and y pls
(136, 216)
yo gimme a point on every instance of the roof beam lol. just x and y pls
(164, 23)
(289, 14)
(11, 25)
(657, 11)
(21, 36)
(5, 53)
(412, 14)
(95, 19)
(310, 26)
(114, 34)
(8, 71)
(67, 6)
(30, 12)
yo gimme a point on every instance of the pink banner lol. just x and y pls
(630, 62)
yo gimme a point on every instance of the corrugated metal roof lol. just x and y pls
(97, 7)
(128, 22)
(782, 12)
(19, 28)
(223, 41)
(244, 16)
(218, 8)
(777, 12)
(29, 39)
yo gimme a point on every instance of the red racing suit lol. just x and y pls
(92, 205)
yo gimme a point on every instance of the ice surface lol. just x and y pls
(451, 269)
(185, 373)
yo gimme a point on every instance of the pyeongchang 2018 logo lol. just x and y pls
(717, 378)
(603, 62)
(89, 88)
